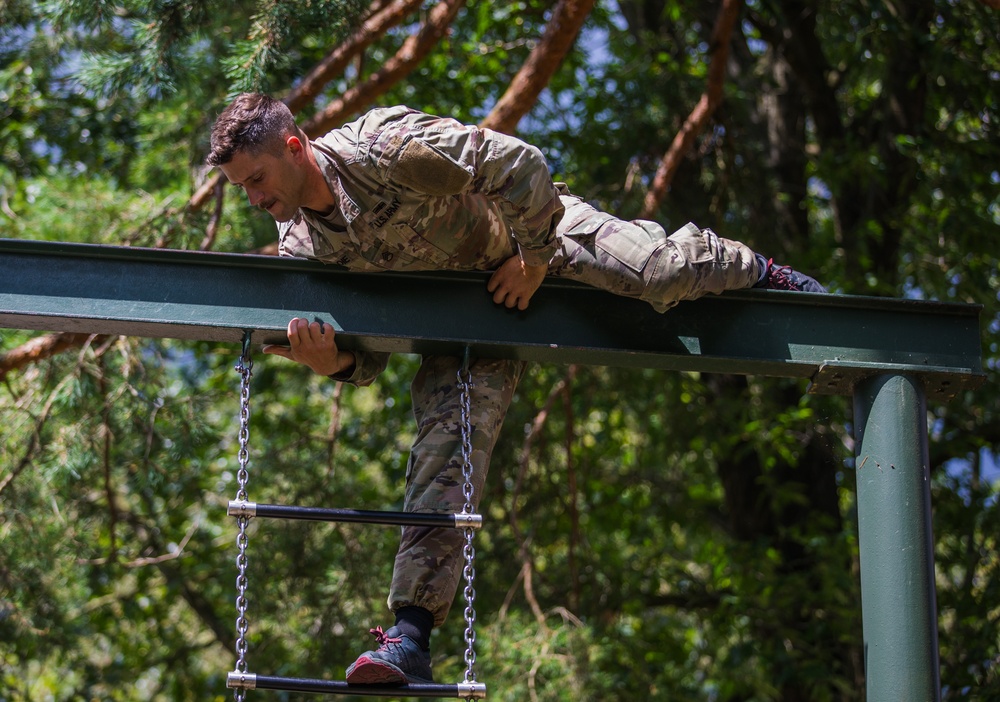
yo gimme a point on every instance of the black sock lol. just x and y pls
(764, 268)
(416, 622)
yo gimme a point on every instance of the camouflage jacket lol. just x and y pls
(419, 192)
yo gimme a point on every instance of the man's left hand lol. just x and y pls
(514, 282)
(313, 344)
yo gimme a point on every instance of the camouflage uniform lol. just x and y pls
(418, 192)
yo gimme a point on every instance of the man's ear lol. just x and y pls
(295, 147)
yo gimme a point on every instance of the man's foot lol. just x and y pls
(397, 660)
(775, 277)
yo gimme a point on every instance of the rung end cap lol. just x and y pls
(242, 508)
(468, 521)
(472, 690)
(241, 681)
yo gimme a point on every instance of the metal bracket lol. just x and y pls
(247, 335)
(940, 384)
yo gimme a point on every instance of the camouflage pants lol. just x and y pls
(638, 259)
(429, 561)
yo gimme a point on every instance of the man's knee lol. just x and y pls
(695, 262)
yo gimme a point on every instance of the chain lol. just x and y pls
(465, 386)
(245, 368)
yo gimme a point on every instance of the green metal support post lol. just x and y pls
(898, 595)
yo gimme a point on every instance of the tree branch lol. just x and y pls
(105, 436)
(695, 123)
(40, 348)
(36, 435)
(213, 224)
(527, 563)
(202, 194)
(409, 56)
(522, 93)
(378, 23)
(573, 496)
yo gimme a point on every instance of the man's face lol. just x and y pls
(274, 183)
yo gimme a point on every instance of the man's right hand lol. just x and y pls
(514, 282)
(313, 344)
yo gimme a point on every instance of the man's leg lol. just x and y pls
(429, 561)
(638, 259)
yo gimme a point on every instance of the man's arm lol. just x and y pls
(440, 156)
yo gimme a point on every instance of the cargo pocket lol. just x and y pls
(687, 268)
(631, 243)
(698, 245)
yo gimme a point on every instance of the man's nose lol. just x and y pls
(255, 196)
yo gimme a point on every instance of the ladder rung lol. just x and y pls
(251, 681)
(461, 520)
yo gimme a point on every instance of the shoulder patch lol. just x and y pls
(423, 168)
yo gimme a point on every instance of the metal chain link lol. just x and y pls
(469, 572)
(245, 368)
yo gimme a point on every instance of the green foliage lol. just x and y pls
(270, 46)
(659, 535)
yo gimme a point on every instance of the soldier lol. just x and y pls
(402, 190)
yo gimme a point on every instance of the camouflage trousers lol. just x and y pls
(635, 259)
(429, 560)
(638, 259)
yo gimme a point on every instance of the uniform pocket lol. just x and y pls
(629, 243)
(697, 245)
(408, 240)
(419, 166)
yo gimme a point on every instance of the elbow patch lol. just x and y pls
(419, 166)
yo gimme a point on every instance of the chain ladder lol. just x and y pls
(245, 368)
(469, 572)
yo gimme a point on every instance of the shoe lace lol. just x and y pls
(382, 639)
(779, 277)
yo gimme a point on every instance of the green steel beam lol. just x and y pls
(833, 340)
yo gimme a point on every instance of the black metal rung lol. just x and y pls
(251, 681)
(325, 514)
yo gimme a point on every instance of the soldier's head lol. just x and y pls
(252, 123)
(258, 146)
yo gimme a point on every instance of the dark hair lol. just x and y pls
(252, 123)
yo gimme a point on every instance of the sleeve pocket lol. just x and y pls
(421, 167)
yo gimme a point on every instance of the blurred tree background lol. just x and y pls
(650, 535)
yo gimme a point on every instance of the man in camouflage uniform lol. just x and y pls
(402, 190)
